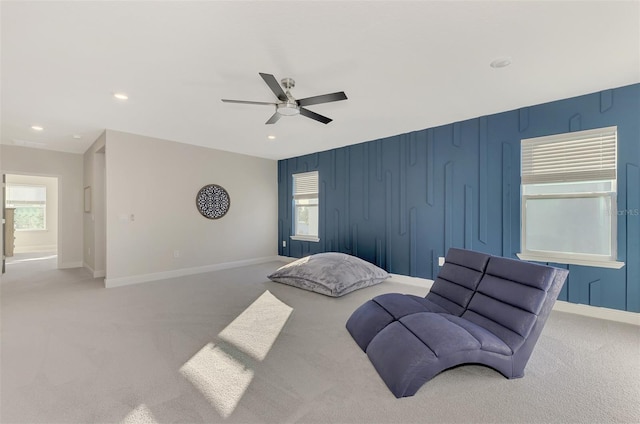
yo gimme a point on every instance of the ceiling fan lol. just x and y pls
(288, 105)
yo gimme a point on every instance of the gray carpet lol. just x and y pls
(231, 346)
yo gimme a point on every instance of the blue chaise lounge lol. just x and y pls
(481, 309)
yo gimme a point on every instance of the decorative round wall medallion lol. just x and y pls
(213, 201)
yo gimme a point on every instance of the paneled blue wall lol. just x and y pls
(400, 202)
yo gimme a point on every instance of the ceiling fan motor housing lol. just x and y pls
(288, 83)
(290, 107)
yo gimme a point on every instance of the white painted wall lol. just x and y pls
(68, 168)
(94, 252)
(40, 240)
(151, 186)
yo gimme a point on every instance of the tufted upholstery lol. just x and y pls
(451, 292)
(497, 324)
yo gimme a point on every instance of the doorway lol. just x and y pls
(31, 222)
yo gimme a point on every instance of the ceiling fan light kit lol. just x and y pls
(288, 109)
(287, 105)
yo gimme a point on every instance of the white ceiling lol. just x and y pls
(404, 66)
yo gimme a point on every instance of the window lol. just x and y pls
(568, 198)
(305, 206)
(30, 202)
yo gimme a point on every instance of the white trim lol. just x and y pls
(571, 257)
(306, 186)
(143, 278)
(305, 238)
(287, 259)
(96, 274)
(34, 249)
(412, 281)
(598, 312)
(571, 261)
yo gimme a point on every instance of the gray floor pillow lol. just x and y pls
(333, 274)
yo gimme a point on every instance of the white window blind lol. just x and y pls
(579, 156)
(30, 203)
(25, 194)
(305, 185)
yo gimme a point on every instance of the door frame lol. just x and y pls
(34, 174)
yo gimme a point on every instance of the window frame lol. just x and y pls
(575, 258)
(307, 195)
(571, 258)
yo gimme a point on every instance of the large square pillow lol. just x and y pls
(333, 274)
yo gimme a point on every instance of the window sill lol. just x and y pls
(305, 238)
(584, 262)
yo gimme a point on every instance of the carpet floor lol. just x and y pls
(231, 346)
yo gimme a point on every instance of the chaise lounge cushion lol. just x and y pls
(333, 274)
(411, 351)
(509, 299)
(451, 292)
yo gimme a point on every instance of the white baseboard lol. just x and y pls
(412, 281)
(598, 312)
(143, 278)
(35, 249)
(96, 274)
(286, 259)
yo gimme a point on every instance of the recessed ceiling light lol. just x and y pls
(120, 96)
(271, 137)
(37, 128)
(501, 62)
(77, 136)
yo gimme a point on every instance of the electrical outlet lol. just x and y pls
(89, 251)
(284, 243)
(440, 261)
(176, 253)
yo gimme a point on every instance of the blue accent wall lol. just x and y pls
(402, 201)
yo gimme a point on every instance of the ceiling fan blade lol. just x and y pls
(274, 118)
(273, 84)
(325, 98)
(247, 102)
(313, 115)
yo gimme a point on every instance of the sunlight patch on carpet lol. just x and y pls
(141, 415)
(42, 258)
(256, 329)
(223, 379)
(220, 378)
